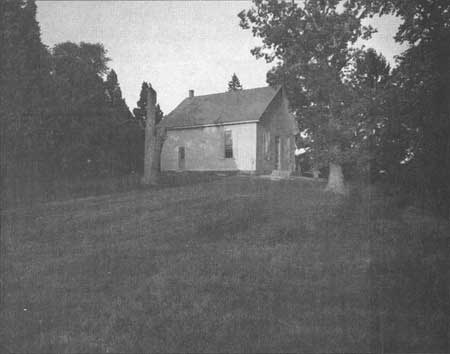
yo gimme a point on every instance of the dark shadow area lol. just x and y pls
(21, 192)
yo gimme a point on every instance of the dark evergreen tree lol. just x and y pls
(58, 115)
(113, 89)
(114, 97)
(234, 84)
(24, 84)
(128, 142)
(140, 112)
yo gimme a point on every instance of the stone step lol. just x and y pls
(281, 174)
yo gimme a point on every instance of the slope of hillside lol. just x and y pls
(237, 264)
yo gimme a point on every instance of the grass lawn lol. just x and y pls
(235, 264)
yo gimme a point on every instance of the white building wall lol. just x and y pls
(205, 148)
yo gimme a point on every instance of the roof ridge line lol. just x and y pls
(237, 91)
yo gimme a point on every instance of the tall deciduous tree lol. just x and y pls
(369, 83)
(80, 121)
(310, 44)
(234, 84)
(89, 124)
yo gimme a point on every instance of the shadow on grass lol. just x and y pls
(27, 192)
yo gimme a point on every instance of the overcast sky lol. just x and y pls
(175, 45)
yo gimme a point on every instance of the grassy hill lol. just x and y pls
(228, 265)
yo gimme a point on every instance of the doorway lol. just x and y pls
(277, 153)
(181, 158)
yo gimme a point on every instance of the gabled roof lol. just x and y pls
(221, 108)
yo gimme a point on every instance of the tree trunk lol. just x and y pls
(336, 179)
(154, 139)
(315, 172)
(156, 152)
(298, 167)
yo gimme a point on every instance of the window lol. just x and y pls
(181, 152)
(181, 157)
(228, 144)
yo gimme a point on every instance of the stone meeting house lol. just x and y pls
(247, 130)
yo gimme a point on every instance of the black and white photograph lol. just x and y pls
(240, 176)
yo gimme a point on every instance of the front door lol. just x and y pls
(277, 153)
(181, 158)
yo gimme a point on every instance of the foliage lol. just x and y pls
(422, 80)
(309, 44)
(140, 112)
(24, 78)
(369, 84)
(234, 84)
(351, 104)
(62, 111)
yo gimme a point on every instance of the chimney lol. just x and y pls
(191, 93)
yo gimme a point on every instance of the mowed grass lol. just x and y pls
(237, 264)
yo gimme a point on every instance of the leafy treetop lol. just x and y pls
(310, 45)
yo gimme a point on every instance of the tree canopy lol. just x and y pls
(62, 110)
(353, 106)
(422, 93)
(310, 45)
